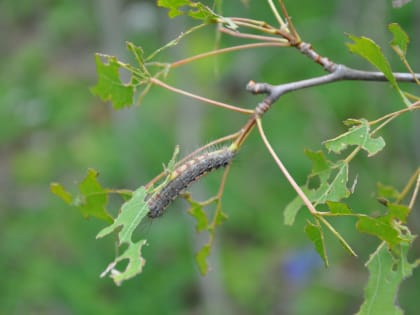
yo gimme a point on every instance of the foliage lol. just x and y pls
(389, 262)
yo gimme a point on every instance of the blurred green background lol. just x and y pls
(53, 129)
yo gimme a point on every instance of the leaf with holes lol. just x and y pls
(357, 135)
(386, 273)
(109, 86)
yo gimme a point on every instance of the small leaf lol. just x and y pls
(357, 135)
(400, 40)
(316, 235)
(320, 163)
(386, 192)
(134, 266)
(199, 215)
(202, 12)
(380, 227)
(109, 86)
(59, 190)
(385, 277)
(369, 50)
(130, 216)
(94, 197)
(338, 208)
(201, 258)
(173, 6)
(398, 211)
(293, 208)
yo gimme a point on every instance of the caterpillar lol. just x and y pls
(186, 174)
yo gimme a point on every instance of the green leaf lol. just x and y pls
(320, 163)
(398, 211)
(135, 263)
(316, 235)
(369, 50)
(385, 277)
(357, 135)
(380, 227)
(400, 40)
(93, 198)
(199, 215)
(173, 6)
(386, 192)
(201, 258)
(334, 189)
(338, 208)
(130, 216)
(293, 208)
(202, 12)
(59, 190)
(109, 86)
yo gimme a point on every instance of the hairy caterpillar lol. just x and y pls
(184, 175)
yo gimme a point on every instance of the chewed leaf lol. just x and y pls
(357, 135)
(173, 6)
(320, 163)
(134, 266)
(385, 277)
(109, 86)
(130, 216)
(316, 235)
(199, 215)
(369, 50)
(400, 40)
(379, 227)
(201, 258)
(338, 208)
(94, 197)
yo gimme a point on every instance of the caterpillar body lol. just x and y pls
(186, 174)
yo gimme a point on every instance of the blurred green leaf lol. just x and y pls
(385, 277)
(196, 210)
(109, 86)
(93, 198)
(201, 258)
(173, 6)
(58, 189)
(338, 207)
(380, 227)
(134, 266)
(357, 135)
(387, 192)
(400, 40)
(316, 235)
(369, 50)
(293, 208)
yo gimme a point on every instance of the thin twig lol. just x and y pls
(225, 50)
(252, 36)
(200, 98)
(415, 193)
(285, 172)
(277, 15)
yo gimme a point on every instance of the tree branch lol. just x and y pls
(339, 73)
